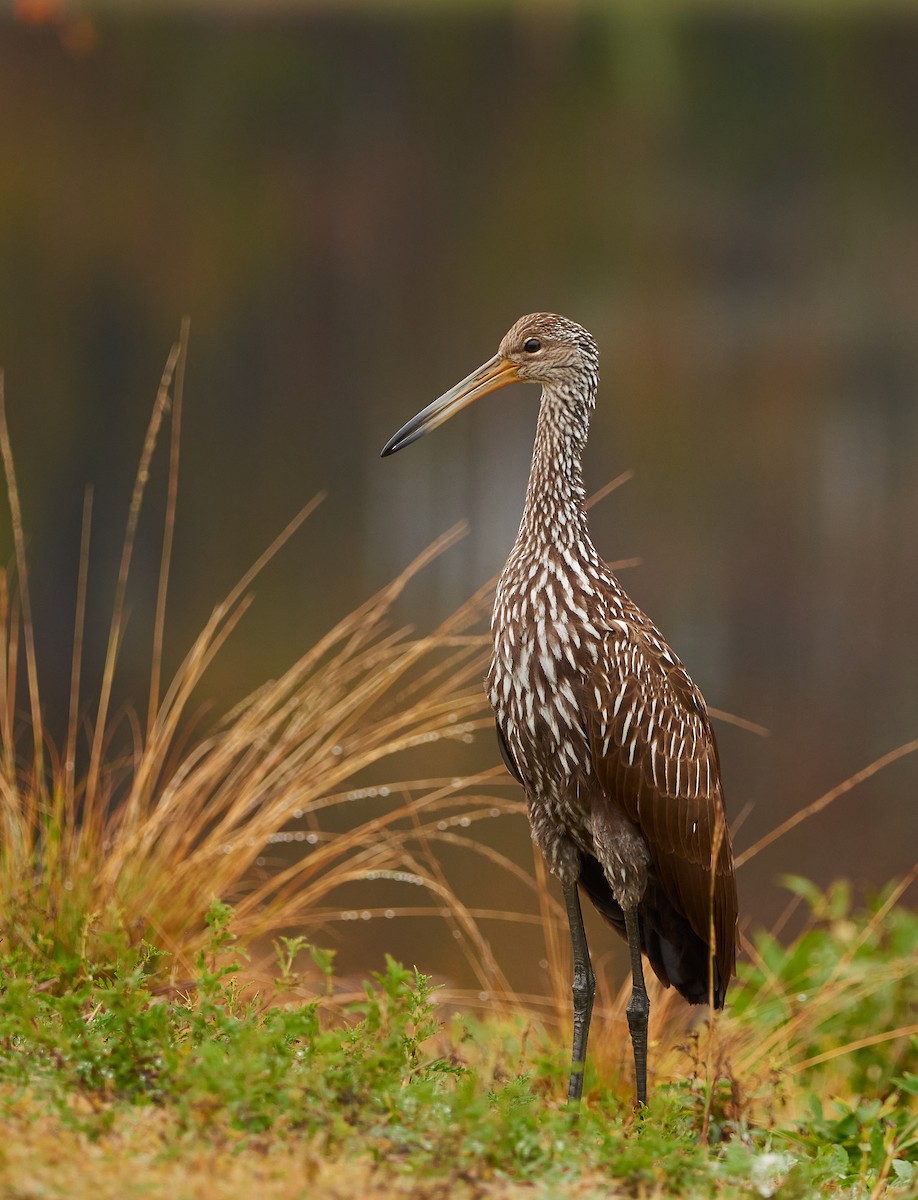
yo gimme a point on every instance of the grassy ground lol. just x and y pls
(114, 1083)
(142, 1055)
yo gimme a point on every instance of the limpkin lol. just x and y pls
(596, 716)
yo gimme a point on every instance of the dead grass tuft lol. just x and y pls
(149, 834)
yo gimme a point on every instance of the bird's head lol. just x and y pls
(540, 348)
(550, 350)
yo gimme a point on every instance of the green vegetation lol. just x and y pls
(92, 1050)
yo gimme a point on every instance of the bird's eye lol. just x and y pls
(531, 345)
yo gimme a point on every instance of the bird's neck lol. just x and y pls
(554, 514)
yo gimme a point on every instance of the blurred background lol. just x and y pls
(352, 202)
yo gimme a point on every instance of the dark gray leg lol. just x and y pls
(638, 1008)
(584, 989)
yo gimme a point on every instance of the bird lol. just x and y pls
(596, 716)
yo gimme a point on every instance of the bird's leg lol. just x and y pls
(638, 1009)
(584, 989)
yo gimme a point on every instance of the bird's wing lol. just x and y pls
(654, 753)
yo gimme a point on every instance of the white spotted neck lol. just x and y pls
(554, 513)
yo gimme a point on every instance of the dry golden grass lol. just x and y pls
(148, 836)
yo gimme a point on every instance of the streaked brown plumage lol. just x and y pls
(596, 716)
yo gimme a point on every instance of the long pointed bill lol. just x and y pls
(497, 372)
